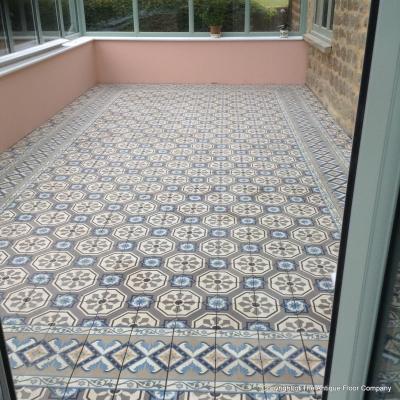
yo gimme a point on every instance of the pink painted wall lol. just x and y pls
(32, 95)
(219, 61)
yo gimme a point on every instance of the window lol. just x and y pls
(69, 18)
(234, 17)
(268, 15)
(163, 16)
(323, 17)
(109, 15)
(3, 40)
(49, 19)
(24, 32)
(28, 23)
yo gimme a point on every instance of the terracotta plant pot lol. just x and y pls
(215, 31)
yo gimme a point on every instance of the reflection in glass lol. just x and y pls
(23, 27)
(109, 15)
(332, 14)
(316, 12)
(163, 16)
(49, 20)
(69, 17)
(325, 13)
(3, 43)
(268, 15)
(234, 16)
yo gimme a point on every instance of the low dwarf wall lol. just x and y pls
(208, 61)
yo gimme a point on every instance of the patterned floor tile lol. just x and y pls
(170, 207)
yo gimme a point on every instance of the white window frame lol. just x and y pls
(325, 32)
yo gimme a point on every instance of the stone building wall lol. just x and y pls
(335, 77)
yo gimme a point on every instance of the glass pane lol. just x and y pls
(163, 16)
(227, 13)
(3, 43)
(69, 17)
(317, 6)
(23, 29)
(268, 15)
(48, 19)
(325, 14)
(109, 15)
(332, 15)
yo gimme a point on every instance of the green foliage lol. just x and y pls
(170, 15)
(213, 12)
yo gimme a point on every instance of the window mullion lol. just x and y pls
(320, 12)
(80, 7)
(60, 18)
(74, 15)
(135, 11)
(191, 16)
(36, 21)
(247, 16)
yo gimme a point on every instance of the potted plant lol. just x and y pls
(213, 15)
(284, 31)
(284, 28)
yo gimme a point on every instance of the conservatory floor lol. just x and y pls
(173, 242)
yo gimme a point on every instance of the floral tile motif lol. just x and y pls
(161, 208)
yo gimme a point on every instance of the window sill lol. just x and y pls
(31, 52)
(193, 38)
(21, 61)
(324, 45)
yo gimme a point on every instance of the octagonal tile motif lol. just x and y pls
(146, 280)
(189, 232)
(322, 305)
(249, 234)
(256, 305)
(276, 221)
(300, 324)
(178, 303)
(10, 277)
(25, 300)
(94, 245)
(215, 320)
(220, 220)
(163, 219)
(105, 219)
(75, 280)
(218, 247)
(282, 249)
(134, 319)
(218, 282)
(52, 260)
(249, 264)
(119, 262)
(52, 218)
(130, 232)
(55, 318)
(32, 244)
(72, 231)
(69, 196)
(15, 230)
(185, 262)
(309, 235)
(156, 247)
(290, 284)
(101, 302)
(318, 266)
